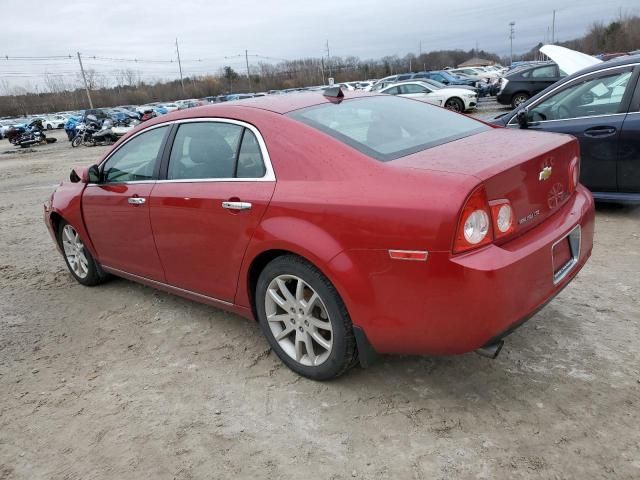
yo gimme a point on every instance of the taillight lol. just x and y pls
(502, 215)
(574, 174)
(474, 229)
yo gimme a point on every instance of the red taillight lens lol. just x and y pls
(474, 228)
(503, 218)
(574, 174)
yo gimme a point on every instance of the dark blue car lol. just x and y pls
(600, 106)
(445, 77)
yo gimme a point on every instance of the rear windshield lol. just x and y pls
(388, 127)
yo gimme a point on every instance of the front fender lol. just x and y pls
(66, 202)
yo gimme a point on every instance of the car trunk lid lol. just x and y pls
(530, 169)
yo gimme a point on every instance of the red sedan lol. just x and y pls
(345, 226)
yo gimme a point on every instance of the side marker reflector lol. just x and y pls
(415, 255)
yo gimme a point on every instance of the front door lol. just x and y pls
(592, 109)
(203, 214)
(116, 210)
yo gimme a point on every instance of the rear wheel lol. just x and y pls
(81, 264)
(304, 319)
(518, 99)
(454, 104)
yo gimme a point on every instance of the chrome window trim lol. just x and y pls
(514, 120)
(533, 124)
(269, 175)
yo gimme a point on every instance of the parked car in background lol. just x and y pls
(386, 81)
(344, 226)
(456, 99)
(600, 106)
(444, 77)
(54, 122)
(522, 83)
(170, 107)
(476, 72)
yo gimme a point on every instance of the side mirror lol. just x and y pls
(523, 118)
(85, 175)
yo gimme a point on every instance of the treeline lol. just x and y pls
(130, 89)
(619, 36)
(126, 87)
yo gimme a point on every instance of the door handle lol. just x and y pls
(600, 131)
(236, 205)
(136, 200)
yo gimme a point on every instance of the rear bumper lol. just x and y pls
(456, 304)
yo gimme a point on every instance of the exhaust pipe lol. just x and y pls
(492, 350)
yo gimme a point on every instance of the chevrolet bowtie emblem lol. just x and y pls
(545, 173)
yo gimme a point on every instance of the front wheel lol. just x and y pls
(49, 127)
(304, 319)
(79, 260)
(454, 104)
(518, 99)
(77, 140)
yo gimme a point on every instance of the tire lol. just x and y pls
(324, 324)
(49, 127)
(518, 99)
(77, 140)
(84, 268)
(454, 104)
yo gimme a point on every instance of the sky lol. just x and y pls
(215, 33)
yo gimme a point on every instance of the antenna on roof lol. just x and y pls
(333, 92)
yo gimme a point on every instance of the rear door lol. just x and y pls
(541, 77)
(591, 108)
(217, 183)
(629, 146)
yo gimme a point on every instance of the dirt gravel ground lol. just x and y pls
(125, 382)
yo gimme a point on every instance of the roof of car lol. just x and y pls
(279, 103)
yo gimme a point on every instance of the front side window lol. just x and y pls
(594, 96)
(136, 159)
(387, 127)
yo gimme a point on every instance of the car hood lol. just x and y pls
(569, 60)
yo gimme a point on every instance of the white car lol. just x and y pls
(487, 76)
(456, 99)
(171, 107)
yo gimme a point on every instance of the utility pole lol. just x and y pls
(84, 78)
(512, 34)
(553, 28)
(329, 59)
(322, 68)
(246, 57)
(180, 66)
(420, 49)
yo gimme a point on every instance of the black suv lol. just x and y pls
(523, 83)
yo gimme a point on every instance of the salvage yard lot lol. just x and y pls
(123, 381)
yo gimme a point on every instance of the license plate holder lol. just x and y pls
(565, 254)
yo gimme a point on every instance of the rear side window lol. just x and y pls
(388, 127)
(210, 150)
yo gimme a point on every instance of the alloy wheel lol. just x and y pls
(298, 320)
(74, 251)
